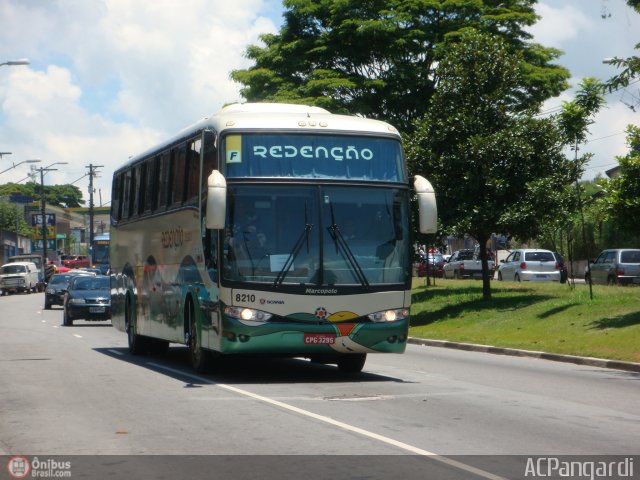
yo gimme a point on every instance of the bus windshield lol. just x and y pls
(321, 236)
(345, 157)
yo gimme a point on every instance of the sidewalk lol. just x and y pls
(556, 357)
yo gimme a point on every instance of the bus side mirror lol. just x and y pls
(427, 208)
(216, 200)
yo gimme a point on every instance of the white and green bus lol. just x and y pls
(267, 229)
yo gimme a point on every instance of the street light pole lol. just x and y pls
(19, 163)
(12, 63)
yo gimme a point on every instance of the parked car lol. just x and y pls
(19, 277)
(619, 266)
(57, 287)
(564, 272)
(88, 297)
(32, 258)
(466, 263)
(530, 265)
(434, 268)
(76, 261)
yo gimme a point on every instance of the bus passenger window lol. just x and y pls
(142, 187)
(193, 171)
(127, 194)
(151, 185)
(164, 183)
(116, 198)
(209, 161)
(179, 160)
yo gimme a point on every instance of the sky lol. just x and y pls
(108, 79)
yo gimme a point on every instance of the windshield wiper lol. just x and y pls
(304, 237)
(339, 240)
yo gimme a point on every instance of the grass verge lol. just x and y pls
(554, 318)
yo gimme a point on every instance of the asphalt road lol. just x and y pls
(77, 391)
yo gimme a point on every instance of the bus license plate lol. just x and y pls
(96, 309)
(319, 339)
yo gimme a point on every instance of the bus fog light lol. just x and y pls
(243, 338)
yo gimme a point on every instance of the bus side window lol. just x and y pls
(116, 198)
(192, 171)
(209, 160)
(178, 154)
(126, 195)
(152, 185)
(141, 190)
(164, 184)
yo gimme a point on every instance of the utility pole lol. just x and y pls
(43, 214)
(92, 173)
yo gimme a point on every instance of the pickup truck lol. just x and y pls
(76, 261)
(466, 264)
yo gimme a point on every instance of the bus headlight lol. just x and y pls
(247, 314)
(389, 315)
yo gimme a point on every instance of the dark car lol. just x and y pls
(620, 266)
(436, 262)
(564, 273)
(57, 287)
(88, 297)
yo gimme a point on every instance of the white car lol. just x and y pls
(18, 277)
(530, 265)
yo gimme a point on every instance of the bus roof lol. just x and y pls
(275, 116)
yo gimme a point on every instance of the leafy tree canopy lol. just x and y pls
(495, 167)
(11, 217)
(66, 196)
(377, 58)
(630, 66)
(622, 194)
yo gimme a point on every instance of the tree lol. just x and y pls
(66, 196)
(495, 167)
(622, 194)
(630, 66)
(10, 216)
(574, 121)
(377, 58)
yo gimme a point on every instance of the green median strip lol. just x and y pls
(544, 317)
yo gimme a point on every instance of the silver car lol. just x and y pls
(530, 265)
(619, 266)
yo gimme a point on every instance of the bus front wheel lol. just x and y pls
(352, 362)
(201, 359)
(138, 345)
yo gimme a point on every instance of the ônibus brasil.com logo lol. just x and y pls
(20, 466)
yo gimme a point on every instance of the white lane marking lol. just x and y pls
(43, 321)
(336, 423)
(115, 352)
(77, 336)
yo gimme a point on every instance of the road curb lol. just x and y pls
(556, 357)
